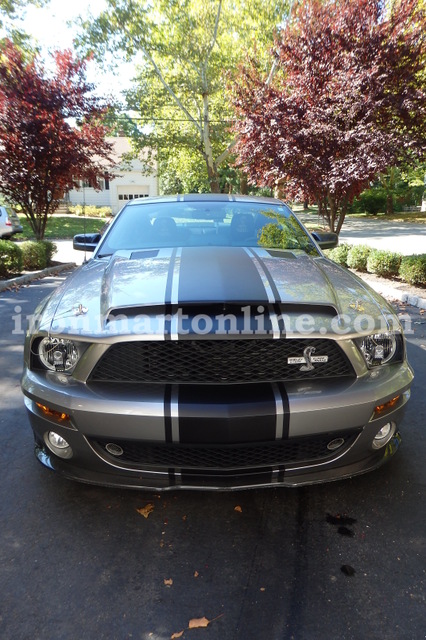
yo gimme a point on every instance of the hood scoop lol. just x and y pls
(144, 253)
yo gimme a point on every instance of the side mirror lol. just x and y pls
(326, 240)
(86, 241)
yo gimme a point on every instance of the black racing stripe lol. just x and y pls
(281, 474)
(281, 323)
(168, 412)
(219, 274)
(276, 307)
(268, 274)
(168, 297)
(227, 479)
(226, 414)
(286, 408)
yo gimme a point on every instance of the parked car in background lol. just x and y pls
(210, 344)
(9, 223)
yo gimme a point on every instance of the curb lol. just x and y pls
(35, 275)
(405, 296)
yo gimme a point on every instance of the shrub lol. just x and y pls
(50, 248)
(91, 211)
(37, 255)
(340, 254)
(383, 263)
(413, 269)
(373, 201)
(357, 257)
(33, 255)
(10, 258)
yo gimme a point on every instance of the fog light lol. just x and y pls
(114, 449)
(57, 444)
(335, 444)
(383, 436)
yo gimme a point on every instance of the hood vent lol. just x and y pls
(215, 309)
(141, 255)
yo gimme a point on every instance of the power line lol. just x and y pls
(140, 119)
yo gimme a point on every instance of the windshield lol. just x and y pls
(205, 223)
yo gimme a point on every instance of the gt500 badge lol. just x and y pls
(308, 359)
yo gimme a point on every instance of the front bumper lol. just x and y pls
(229, 419)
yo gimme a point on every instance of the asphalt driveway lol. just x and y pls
(343, 560)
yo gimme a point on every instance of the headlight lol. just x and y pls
(381, 348)
(58, 354)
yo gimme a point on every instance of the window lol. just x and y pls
(102, 184)
(131, 196)
(200, 223)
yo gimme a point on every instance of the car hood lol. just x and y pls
(159, 281)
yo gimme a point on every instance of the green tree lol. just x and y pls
(188, 52)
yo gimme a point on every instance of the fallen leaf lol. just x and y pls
(196, 574)
(238, 508)
(168, 582)
(179, 634)
(145, 511)
(195, 623)
(262, 588)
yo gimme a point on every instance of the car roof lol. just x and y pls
(205, 197)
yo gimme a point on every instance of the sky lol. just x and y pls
(48, 24)
(49, 27)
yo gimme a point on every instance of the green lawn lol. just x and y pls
(62, 227)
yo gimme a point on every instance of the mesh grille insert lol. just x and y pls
(164, 455)
(217, 361)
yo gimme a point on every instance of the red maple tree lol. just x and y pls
(51, 132)
(347, 100)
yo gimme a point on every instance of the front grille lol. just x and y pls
(218, 361)
(244, 456)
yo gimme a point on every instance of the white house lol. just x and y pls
(131, 182)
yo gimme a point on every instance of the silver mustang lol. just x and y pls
(210, 344)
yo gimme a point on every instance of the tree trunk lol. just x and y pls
(213, 179)
(243, 184)
(278, 189)
(207, 148)
(35, 223)
(323, 212)
(342, 216)
(389, 203)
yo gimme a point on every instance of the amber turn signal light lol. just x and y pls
(52, 413)
(382, 409)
